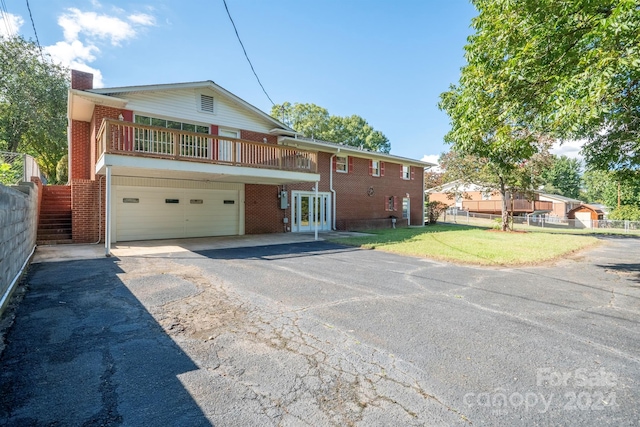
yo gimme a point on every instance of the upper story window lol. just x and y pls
(342, 164)
(170, 124)
(375, 168)
(406, 172)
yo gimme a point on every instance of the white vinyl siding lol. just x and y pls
(184, 104)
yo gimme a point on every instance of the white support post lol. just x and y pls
(107, 214)
(316, 217)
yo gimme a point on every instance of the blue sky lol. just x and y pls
(386, 61)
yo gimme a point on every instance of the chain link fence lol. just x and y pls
(458, 216)
(17, 167)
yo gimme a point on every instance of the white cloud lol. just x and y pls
(94, 25)
(76, 55)
(10, 24)
(568, 148)
(85, 30)
(142, 19)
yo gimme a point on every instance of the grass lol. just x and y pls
(473, 245)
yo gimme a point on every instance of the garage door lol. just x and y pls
(144, 213)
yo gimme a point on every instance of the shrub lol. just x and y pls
(434, 209)
(628, 212)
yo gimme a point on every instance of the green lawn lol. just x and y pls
(474, 245)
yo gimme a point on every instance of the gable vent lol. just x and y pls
(206, 103)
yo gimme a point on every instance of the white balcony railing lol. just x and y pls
(118, 137)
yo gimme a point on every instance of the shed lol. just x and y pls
(584, 215)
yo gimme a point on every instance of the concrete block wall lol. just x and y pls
(18, 229)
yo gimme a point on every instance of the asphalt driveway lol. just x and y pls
(317, 334)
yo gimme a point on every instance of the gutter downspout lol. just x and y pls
(107, 214)
(333, 199)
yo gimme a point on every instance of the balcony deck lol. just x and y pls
(495, 206)
(131, 139)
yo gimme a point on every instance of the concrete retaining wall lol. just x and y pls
(18, 228)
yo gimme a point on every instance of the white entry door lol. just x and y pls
(307, 210)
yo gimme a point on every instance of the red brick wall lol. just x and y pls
(258, 137)
(80, 162)
(86, 217)
(262, 211)
(81, 80)
(354, 205)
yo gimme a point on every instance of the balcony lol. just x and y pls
(495, 206)
(131, 139)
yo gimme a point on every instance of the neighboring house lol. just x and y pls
(584, 216)
(479, 199)
(192, 159)
(561, 205)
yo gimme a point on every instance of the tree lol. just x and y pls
(469, 168)
(563, 177)
(566, 68)
(607, 187)
(313, 121)
(495, 149)
(33, 103)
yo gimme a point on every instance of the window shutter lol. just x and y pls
(370, 167)
(401, 172)
(395, 203)
(335, 163)
(381, 168)
(127, 115)
(413, 173)
(350, 164)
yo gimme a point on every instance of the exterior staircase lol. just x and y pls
(54, 225)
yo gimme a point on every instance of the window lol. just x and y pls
(206, 103)
(406, 172)
(375, 168)
(342, 164)
(391, 203)
(170, 124)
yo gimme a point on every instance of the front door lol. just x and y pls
(307, 210)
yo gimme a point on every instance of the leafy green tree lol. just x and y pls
(605, 187)
(566, 68)
(524, 178)
(313, 121)
(33, 103)
(563, 177)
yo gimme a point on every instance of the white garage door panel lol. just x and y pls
(199, 213)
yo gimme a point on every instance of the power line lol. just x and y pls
(245, 51)
(5, 18)
(34, 30)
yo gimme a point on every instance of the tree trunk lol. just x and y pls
(505, 206)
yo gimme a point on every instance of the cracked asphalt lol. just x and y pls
(320, 334)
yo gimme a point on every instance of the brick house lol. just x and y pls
(192, 159)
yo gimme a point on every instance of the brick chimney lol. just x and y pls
(81, 80)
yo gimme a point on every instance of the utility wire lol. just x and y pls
(245, 52)
(5, 18)
(34, 30)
